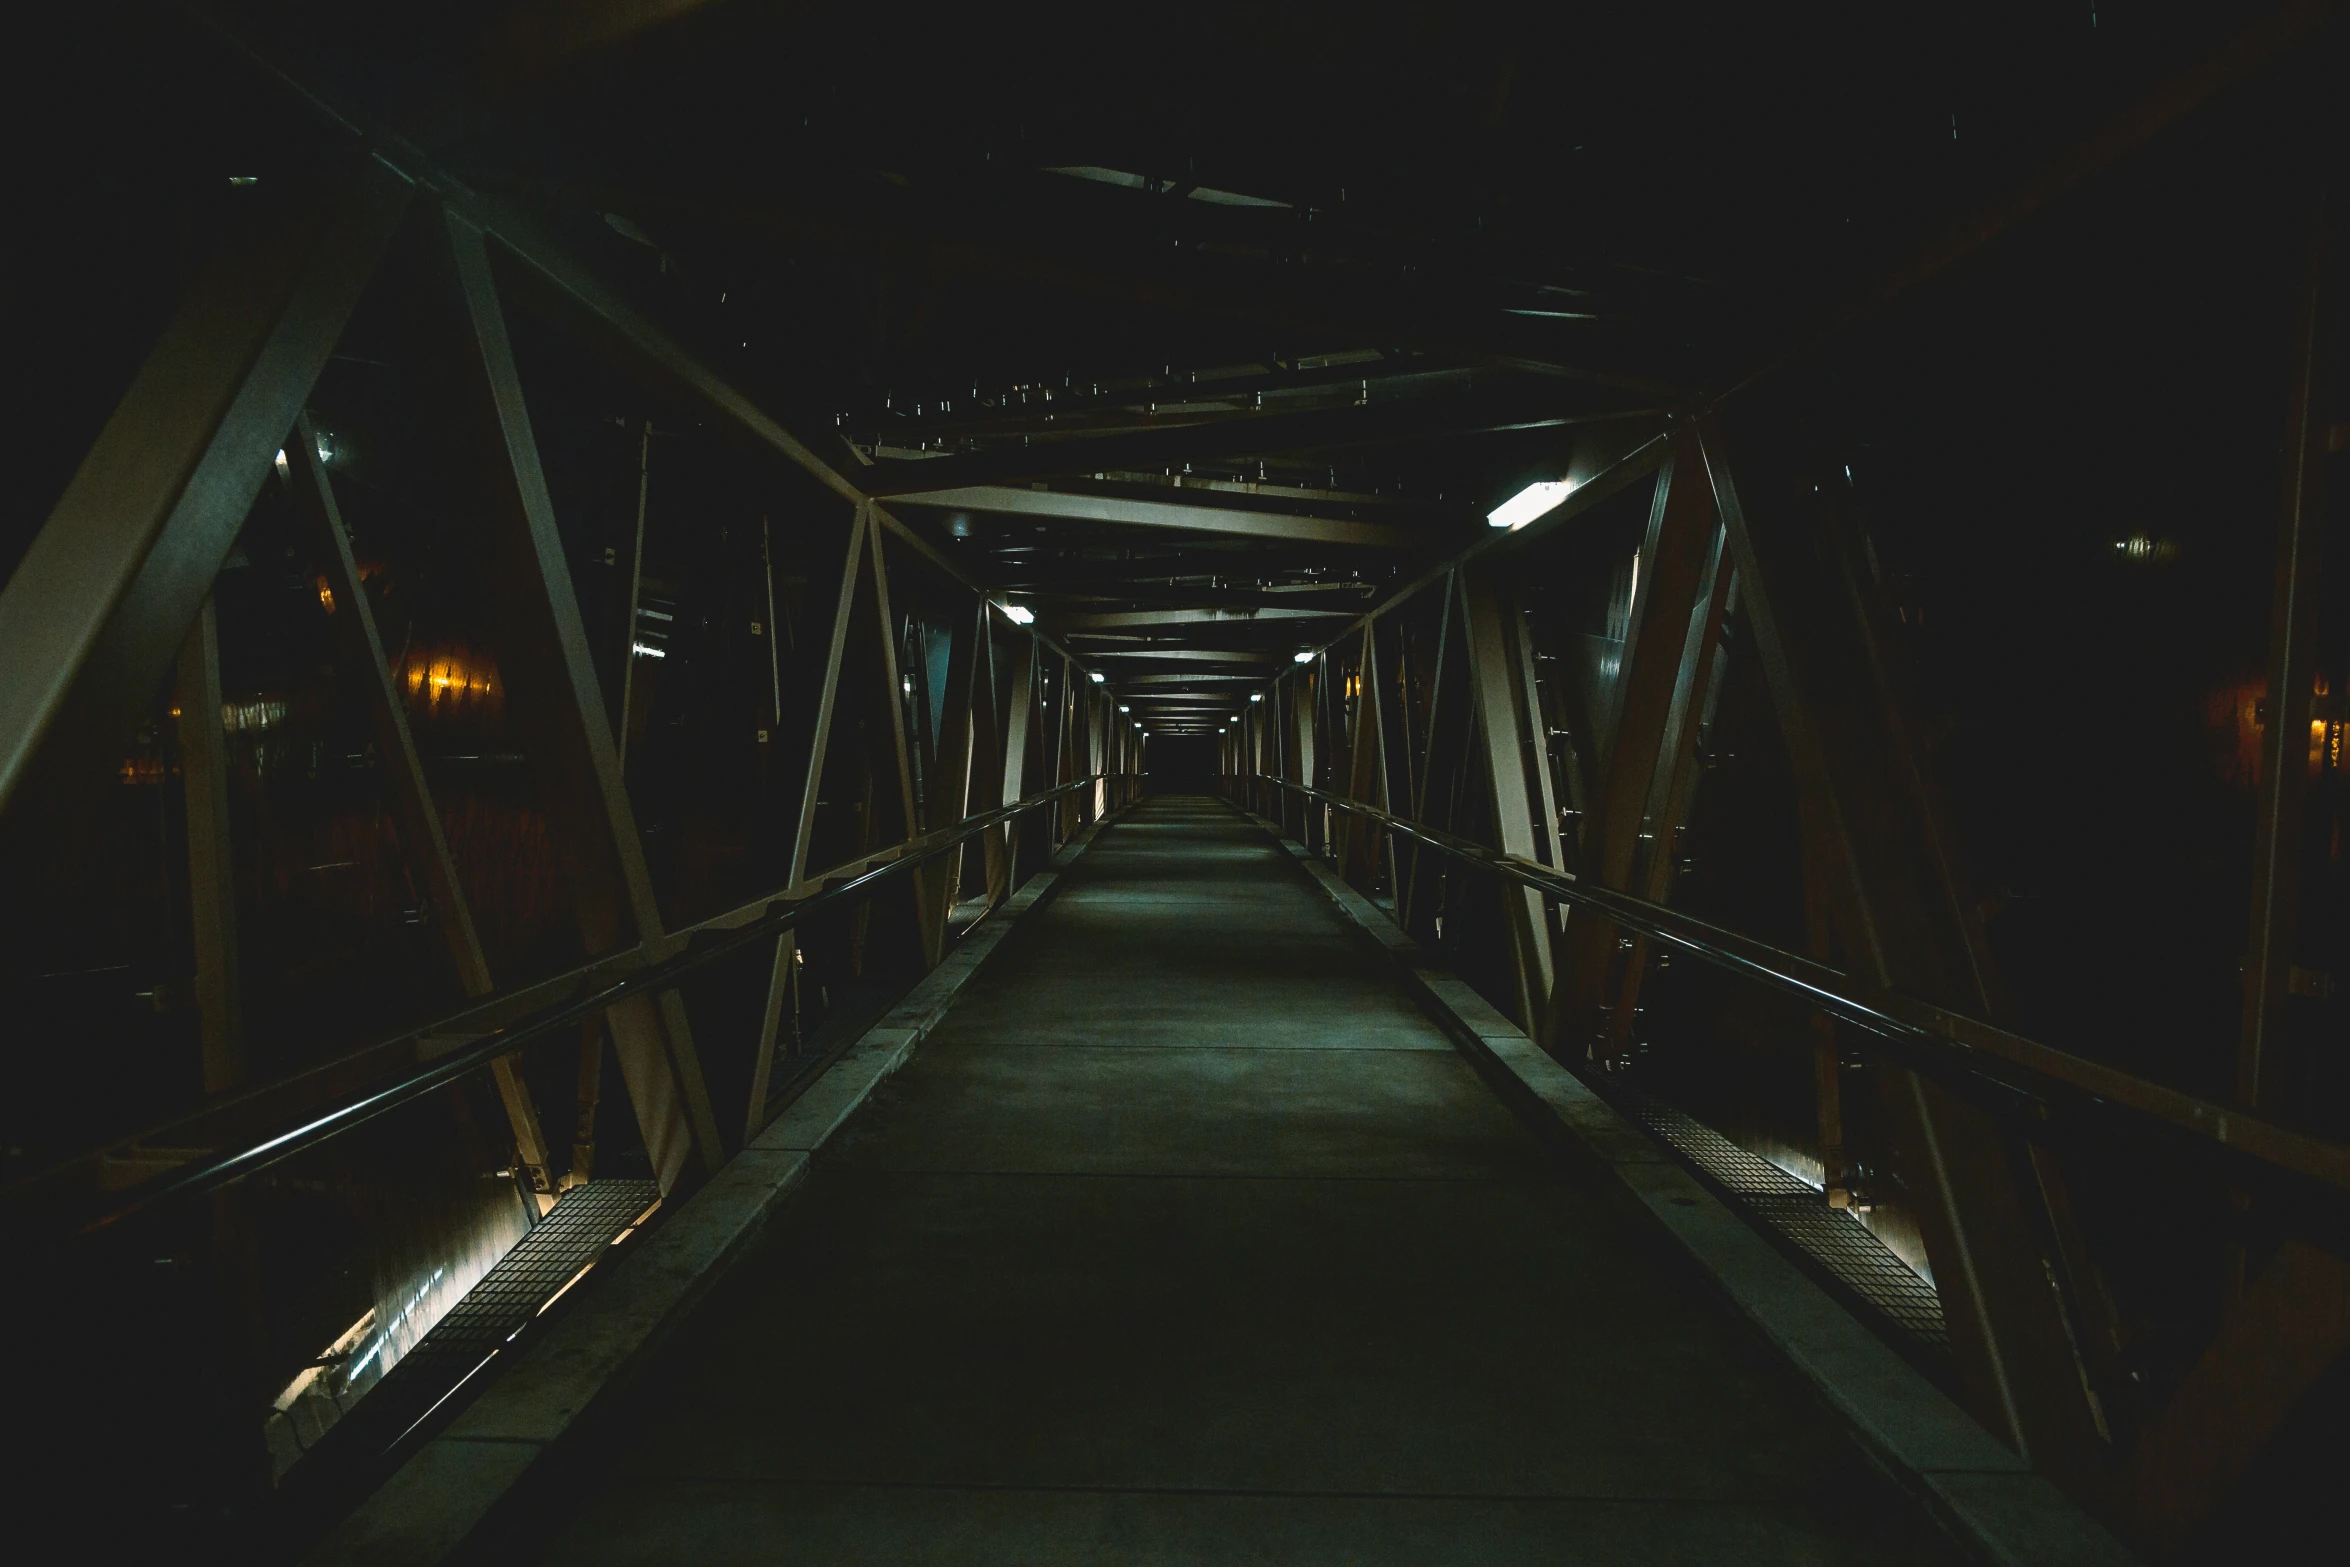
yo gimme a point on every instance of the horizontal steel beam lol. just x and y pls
(1424, 417)
(1190, 655)
(1110, 620)
(1127, 405)
(1288, 526)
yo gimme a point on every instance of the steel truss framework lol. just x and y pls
(1404, 777)
(114, 596)
(1443, 742)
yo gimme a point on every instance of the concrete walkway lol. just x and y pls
(1187, 1238)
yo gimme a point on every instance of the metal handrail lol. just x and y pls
(1928, 1036)
(209, 1171)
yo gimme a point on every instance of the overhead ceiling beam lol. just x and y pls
(1288, 526)
(1249, 435)
(1179, 396)
(1060, 248)
(1118, 619)
(1191, 655)
(1186, 680)
(1169, 574)
(1351, 598)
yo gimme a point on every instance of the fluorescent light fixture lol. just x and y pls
(1529, 503)
(1017, 614)
(1256, 696)
(1123, 708)
(1096, 676)
(1303, 658)
(643, 651)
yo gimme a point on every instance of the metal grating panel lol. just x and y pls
(572, 1235)
(1835, 1241)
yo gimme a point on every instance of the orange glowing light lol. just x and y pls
(448, 677)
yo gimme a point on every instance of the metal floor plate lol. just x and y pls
(1834, 1240)
(573, 1234)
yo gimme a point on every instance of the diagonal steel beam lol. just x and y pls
(97, 608)
(2019, 1371)
(423, 844)
(558, 706)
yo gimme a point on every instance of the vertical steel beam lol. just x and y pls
(423, 844)
(987, 755)
(1695, 693)
(558, 708)
(951, 779)
(1496, 673)
(893, 708)
(94, 613)
(1065, 747)
(1391, 739)
(1357, 842)
(636, 589)
(212, 886)
(1657, 654)
(1303, 762)
(1019, 717)
(1550, 850)
(2287, 1326)
(2292, 670)
(781, 971)
(1423, 872)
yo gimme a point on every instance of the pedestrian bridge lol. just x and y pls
(963, 794)
(1189, 1232)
